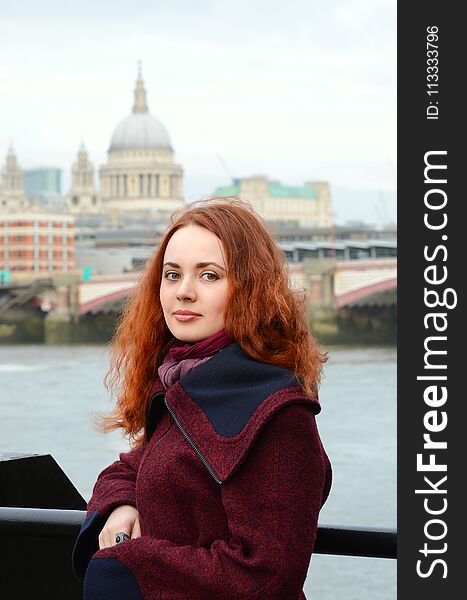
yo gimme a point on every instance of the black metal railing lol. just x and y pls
(331, 539)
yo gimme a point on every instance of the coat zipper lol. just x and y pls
(143, 459)
(200, 454)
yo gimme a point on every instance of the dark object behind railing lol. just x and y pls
(36, 481)
(36, 543)
(36, 564)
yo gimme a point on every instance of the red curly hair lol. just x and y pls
(274, 328)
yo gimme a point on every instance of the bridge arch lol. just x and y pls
(374, 288)
(102, 300)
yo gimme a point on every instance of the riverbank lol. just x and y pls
(339, 327)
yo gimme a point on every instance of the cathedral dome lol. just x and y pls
(140, 130)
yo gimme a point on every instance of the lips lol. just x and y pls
(186, 315)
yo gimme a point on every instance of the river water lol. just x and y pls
(49, 393)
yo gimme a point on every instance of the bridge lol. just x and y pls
(329, 282)
(352, 282)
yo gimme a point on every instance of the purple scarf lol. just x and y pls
(183, 357)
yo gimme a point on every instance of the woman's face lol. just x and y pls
(194, 280)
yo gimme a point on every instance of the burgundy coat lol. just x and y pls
(228, 485)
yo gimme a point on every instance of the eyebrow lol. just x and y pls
(200, 265)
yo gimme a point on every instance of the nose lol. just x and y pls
(185, 290)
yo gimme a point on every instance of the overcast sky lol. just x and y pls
(298, 90)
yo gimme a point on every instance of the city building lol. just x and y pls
(142, 183)
(297, 252)
(305, 206)
(42, 180)
(140, 173)
(35, 240)
(106, 261)
(284, 232)
(43, 187)
(12, 194)
(82, 197)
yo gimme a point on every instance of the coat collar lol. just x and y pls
(221, 406)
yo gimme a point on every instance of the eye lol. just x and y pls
(210, 276)
(168, 275)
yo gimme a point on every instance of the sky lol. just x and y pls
(296, 91)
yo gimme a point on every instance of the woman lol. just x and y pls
(216, 375)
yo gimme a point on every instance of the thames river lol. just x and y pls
(49, 394)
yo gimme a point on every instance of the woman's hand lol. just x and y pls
(123, 518)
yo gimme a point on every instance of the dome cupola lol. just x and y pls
(140, 129)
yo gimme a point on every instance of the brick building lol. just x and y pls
(36, 241)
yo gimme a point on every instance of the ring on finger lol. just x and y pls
(121, 536)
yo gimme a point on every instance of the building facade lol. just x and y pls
(83, 197)
(306, 206)
(140, 173)
(36, 241)
(12, 194)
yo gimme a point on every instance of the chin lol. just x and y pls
(189, 339)
(182, 334)
(195, 335)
